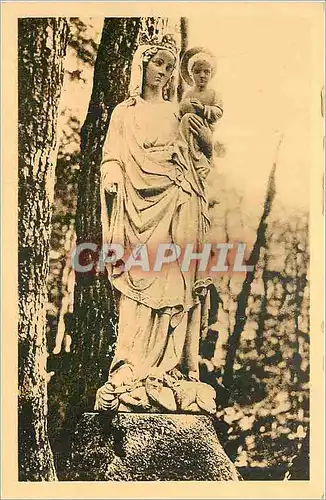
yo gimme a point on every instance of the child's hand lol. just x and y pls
(186, 107)
(199, 107)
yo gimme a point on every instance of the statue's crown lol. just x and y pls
(167, 41)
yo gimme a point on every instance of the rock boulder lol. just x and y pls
(148, 447)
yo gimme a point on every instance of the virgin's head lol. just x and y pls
(158, 69)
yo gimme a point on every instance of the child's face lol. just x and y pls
(201, 73)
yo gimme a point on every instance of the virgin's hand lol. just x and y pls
(112, 188)
(111, 177)
(203, 134)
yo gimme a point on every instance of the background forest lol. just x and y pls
(256, 353)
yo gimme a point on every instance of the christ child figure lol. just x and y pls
(198, 67)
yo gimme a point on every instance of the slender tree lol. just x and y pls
(242, 302)
(183, 48)
(42, 47)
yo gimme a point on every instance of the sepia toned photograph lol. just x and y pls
(168, 187)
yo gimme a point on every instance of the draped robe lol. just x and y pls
(160, 199)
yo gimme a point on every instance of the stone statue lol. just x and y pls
(156, 197)
(198, 66)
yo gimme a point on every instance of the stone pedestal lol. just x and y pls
(148, 447)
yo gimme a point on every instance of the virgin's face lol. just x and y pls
(159, 69)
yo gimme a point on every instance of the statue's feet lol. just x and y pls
(121, 381)
(106, 398)
(123, 376)
(170, 392)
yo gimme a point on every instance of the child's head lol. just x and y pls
(198, 66)
(201, 67)
(201, 74)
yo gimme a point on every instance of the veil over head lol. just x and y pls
(145, 51)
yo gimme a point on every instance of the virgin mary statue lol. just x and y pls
(158, 203)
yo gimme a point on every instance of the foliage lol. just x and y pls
(268, 412)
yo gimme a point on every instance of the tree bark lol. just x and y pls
(42, 47)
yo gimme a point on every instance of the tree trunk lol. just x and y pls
(42, 46)
(183, 48)
(94, 309)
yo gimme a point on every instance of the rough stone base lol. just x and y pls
(148, 447)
